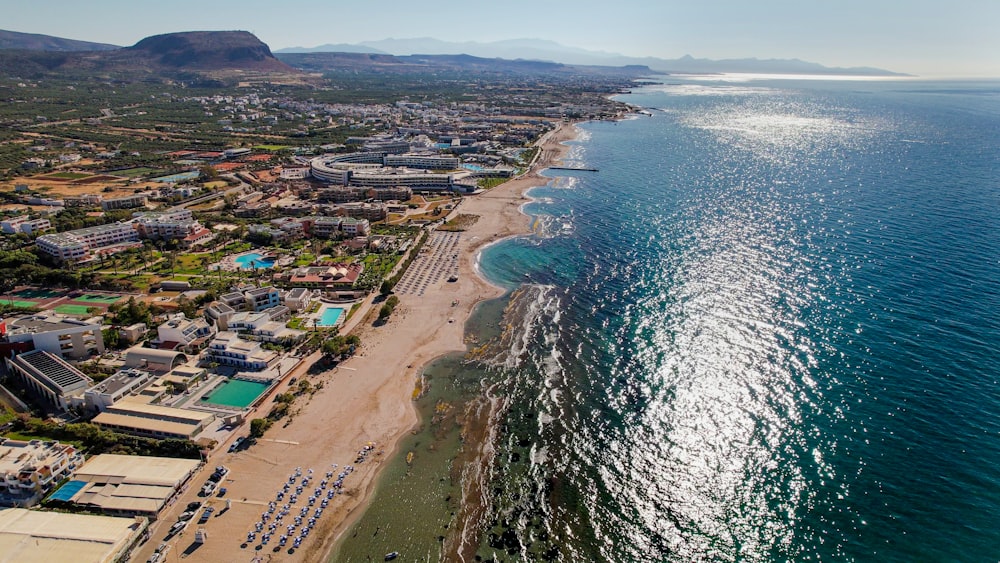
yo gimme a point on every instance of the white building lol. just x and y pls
(218, 313)
(227, 348)
(48, 376)
(423, 161)
(184, 331)
(29, 470)
(63, 337)
(81, 244)
(298, 299)
(24, 225)
(113, 389)
(127, 202)
(262, 298)
(171, 225)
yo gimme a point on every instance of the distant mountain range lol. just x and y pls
(27, 54)
(542, 50)
(414, 64)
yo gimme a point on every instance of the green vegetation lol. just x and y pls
(341, 345)
(388, 307)
(68, 175)
(487, 183)
(414, 252)
(259, 426)
(95, 441)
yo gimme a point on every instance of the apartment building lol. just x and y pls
(82, 244)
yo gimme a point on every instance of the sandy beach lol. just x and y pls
(367, 399)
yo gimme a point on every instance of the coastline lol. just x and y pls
(500, 217)
(368, 398)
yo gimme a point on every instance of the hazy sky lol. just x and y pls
(926, 37)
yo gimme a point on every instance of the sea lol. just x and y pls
(766, 329)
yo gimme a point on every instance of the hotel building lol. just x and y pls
(81, 244)
(29, 470)
(58, 383)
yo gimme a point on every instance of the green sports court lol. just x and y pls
(76, 310)
(97, 298)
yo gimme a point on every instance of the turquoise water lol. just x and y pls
(66, 492)
(237, 393)
(765, 331)
(180, 177)
(330, 316)
(472, 167)
(252, 260)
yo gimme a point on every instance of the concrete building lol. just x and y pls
(128, 485)
(228, 349)
(24, 225)
(324, 277)
(218, 313)
(177, 225)
(113, 389)
(153, 421)
(298, 299)
(152, 359)
(63, 337)
(262, 298)
(29, 470)
(423, 161)
(47, 375)
(368, 211)
(182, 332)
(83, 244)
(127, 202)
(33, 536)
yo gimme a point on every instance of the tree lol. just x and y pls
(384, 312)
(258, 426)
(386, 288)
(112, 338)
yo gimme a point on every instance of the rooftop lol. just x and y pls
(51, 370)
(33, 536)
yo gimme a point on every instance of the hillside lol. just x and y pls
(39, 42)
(164, 56)
(209, 50)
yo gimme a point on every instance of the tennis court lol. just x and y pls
(20, 303)
(38, 293)
(72, 309)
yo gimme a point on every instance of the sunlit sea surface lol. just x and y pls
(766, 330)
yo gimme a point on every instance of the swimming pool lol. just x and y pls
(254, 259)
(66, 492)
(330, 316)
(236, 393)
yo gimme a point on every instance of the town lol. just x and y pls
(182, 269)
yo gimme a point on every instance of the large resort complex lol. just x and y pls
(180, 300)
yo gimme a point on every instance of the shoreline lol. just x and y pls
(366, 399)
(504, 218)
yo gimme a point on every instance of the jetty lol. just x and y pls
(578, 169)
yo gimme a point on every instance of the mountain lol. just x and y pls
(332, 48)
(167, 55)
(209, 50)
(38, 42)
(542, 50)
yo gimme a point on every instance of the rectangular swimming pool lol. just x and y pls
(236, 393)
(330, 316)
